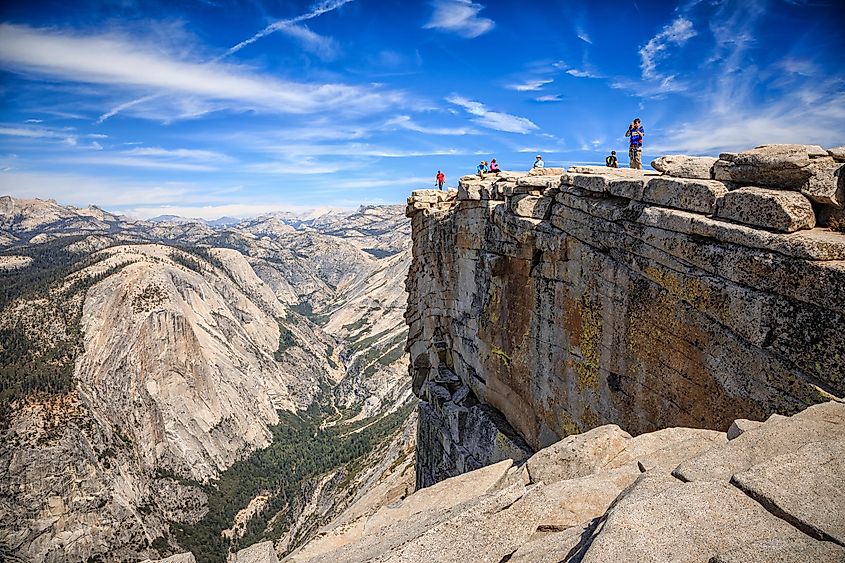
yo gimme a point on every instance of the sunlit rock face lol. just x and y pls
(549, 305)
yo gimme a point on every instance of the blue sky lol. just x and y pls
(207, 107)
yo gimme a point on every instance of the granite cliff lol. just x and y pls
(545, 304)
(617, 365)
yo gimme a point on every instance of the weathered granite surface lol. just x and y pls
(604, 496)
(617, 297)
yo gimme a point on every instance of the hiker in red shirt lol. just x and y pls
(441, 177)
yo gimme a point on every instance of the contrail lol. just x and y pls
(316, 11)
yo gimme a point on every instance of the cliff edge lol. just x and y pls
(545, 304)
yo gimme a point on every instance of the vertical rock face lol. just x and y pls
(612, 307)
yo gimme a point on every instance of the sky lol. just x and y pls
(209, 108)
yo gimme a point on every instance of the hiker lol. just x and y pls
(635, 151)
(494, 166)
(611, 161)
(482, 168)
(441, 177)
(538, 163)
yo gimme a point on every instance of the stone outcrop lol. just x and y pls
(683, 166)
(774, 209)
(605, 496)
(543, 306)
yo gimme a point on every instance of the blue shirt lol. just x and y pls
(636, 134)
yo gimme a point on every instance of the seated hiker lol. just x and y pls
(494, 166)
(538, 162)
(441, 178)
(482, 168)
(611, 160)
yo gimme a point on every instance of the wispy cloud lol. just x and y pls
(67, 136)
(324, 47)
(493, 119)
(406, 122)
(676, 33)
(582, 73)
(549, 98)
(126, 64)
(180, 154)
(99, 190)
(531, 85)
(460, 17)
(136, 162)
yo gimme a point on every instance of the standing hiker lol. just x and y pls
(611, 160)
(441, 177)
(635, 150)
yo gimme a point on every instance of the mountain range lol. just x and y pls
(173, 385)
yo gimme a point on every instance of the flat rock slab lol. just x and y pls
(533, 207)
(443, 495)
(178, 558)
(575, 501)
(777, 210)
(820, 423)
(806, 488)
(698, 196)
(775, 166)
(538, 182)
(258, 553)
(630, 187)
(783, 550)
(683, 166)
(551, 171)
(742, 425)
(577, 455)
(549, 547)
(608, 171)
(837, 153)
(663, 450)
(660, 519)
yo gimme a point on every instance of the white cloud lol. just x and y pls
(549, 98)
(493, 119)
(405, 122)
(530, 85)
(582, 73)
(135, 162)
(39, 133)
(129, 64)
(34, 120)
(676, 33)
(816, 119)
(324, 47)
(181, 154)
(461, 17)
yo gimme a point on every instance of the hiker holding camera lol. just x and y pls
(635, 150)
